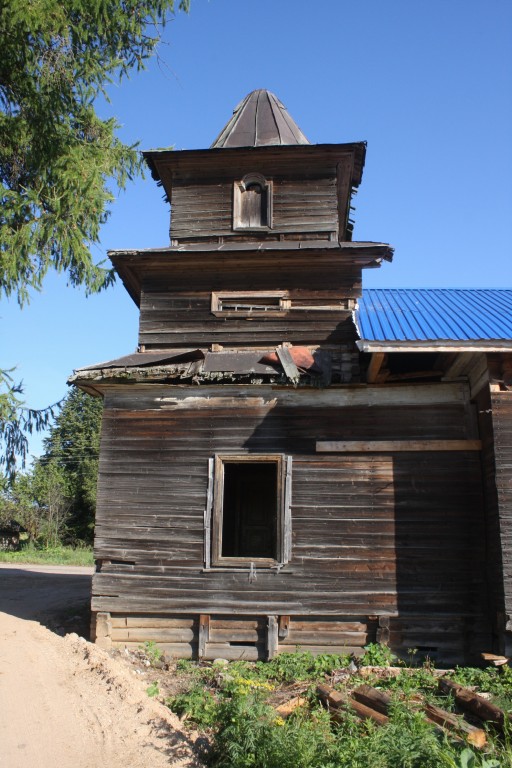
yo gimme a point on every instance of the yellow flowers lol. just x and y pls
(244, 685)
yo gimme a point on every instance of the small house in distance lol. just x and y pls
(288, 459)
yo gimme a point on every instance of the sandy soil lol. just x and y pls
(64, 702)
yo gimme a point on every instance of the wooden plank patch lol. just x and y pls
(378, 446)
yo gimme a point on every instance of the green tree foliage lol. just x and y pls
(57, 157)
(60, 163)
(16, 421)
(71, 454)
(56, 501)
(38, 501)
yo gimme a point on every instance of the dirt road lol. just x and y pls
(64, 702)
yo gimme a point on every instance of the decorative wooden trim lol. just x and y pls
(379, 446)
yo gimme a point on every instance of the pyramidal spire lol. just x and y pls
(259, 120)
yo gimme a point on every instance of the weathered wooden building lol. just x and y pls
(287, 460)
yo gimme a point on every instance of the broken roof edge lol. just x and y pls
(177, 354)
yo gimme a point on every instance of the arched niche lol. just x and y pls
(252, 203)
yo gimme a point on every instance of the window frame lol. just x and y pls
(239, 187)
(281, 311)
(214, 515)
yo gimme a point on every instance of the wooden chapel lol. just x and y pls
(279, 465)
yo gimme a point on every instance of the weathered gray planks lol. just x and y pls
(372, 534)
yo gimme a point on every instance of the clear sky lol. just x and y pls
(427, 84)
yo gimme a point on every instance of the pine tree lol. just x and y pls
(60, 163)
(71, 454)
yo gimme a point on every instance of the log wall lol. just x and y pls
(397, 536)
(174, 314)
(205, 209)
(501, 404)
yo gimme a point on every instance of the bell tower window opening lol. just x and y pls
(252, 203)
(250, 304)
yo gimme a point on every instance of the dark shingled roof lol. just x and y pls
(259, 120)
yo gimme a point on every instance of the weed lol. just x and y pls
(184, 665)
(302, 665)
(234, 703)
(198, 705)
(377, 655)
(468, 759)
(153, 689)
(154, 654)
(250, 736)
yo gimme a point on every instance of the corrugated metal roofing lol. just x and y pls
(434, 314)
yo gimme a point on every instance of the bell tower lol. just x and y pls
(261, 253)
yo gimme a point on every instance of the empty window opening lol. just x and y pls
(249, 304)
(250, 510)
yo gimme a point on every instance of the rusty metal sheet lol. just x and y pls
(301, 356)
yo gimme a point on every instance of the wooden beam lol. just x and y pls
(477, 705)
(289, 366)
(383, 630)
(272, 637)
(379, 446)
(337, 703)
(204, 634)
(284, 626)
(474, 735)
(375, 365)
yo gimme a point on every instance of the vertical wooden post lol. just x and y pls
(383, 630)
(208, 517)
(376, 361)
(287, 512)
(204, 634)
(103, 634)
(284, 627)
(272, 637)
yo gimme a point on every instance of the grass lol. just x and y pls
(234, 705)
(53, 556)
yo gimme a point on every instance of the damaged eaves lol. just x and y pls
(200, 366)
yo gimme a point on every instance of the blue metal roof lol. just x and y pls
(418, 315)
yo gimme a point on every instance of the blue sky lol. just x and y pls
(427, 84)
